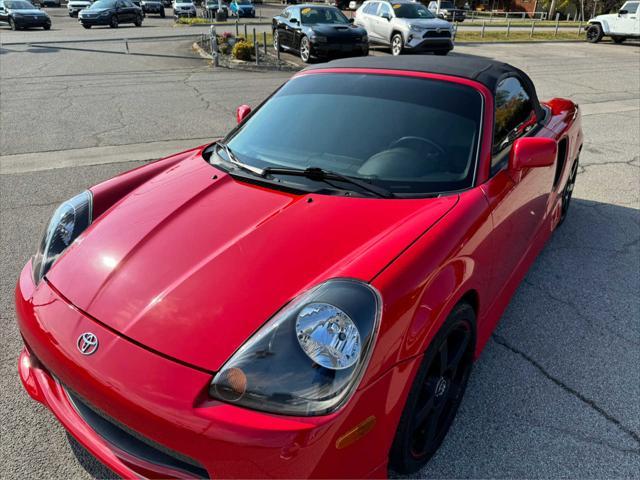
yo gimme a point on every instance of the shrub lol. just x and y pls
(225, 49)
(242, 51)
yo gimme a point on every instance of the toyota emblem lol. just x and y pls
(87, 343)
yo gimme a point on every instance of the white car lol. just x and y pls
(184, 8)
(74, 6)
(619, 26)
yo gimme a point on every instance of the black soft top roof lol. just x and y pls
(481, 69)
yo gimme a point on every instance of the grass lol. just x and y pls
(520, 23)
(542, 36)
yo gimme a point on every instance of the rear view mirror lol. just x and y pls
(242, 112)
(532, 152)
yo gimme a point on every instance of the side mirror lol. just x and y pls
(623, 12)
(532, 152)
(387, 16)
(351, 20)
(294, 20)
(242, 112)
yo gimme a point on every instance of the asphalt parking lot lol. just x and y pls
(555, 393)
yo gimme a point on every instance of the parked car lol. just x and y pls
(184, 8)
(404, 26)
(167, 3)
(51, 3)
(352, 245)
(316, 31)
(153, 6)
(243, 8)
(74, 6)
(212, 7)
(111, 13)
(19, 14)
(448, 11)
(625, 24)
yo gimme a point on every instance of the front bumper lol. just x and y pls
(165, 404)
(75, 10)
(31, 21)
(106, 20)
(246, 13)
(185, 13)
(416, 42)
(330, 49)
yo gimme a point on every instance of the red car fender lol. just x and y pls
(109, 192)
(450, 262)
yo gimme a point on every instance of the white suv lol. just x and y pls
(74, 6)
(619, 26)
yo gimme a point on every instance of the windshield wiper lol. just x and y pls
(319, 174)
(231, 158)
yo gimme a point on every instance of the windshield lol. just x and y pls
(311, 15)
(243, 2)
(100, 4)
(447, 5)
(408, 135)
(19, 5)
(411, 10)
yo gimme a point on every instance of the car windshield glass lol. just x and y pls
(311, 15)
(447, 5)
(103, 4)
(243, 2)
(411, 10)
(19, 5)
(411, 136)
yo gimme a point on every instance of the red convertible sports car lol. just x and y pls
(306, 297)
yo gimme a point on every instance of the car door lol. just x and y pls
(519, 202)
(295, 28)
(628, 23)
(282, 26)
(382, 26)
(367, 19)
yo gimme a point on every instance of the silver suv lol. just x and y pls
(404, 25)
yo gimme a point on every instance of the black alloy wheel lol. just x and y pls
(436, 392)
(568, 192)
(594, 33)
(114, 21)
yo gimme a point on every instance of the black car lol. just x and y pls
(112, 13)
(22, 14)
(153, 6)
(318, 31)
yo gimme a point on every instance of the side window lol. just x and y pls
(370, 8)
(295, 14)
(384, 9)
(514, 117)
(631, 7)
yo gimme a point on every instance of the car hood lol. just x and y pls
(609, 17)
(29, 11)
(79, 4)
(191, 266)
(426, 22)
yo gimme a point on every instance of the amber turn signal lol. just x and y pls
(355, 434)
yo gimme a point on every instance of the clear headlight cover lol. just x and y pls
(68, 221)
(309, 357)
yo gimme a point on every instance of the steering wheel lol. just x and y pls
(436, 149)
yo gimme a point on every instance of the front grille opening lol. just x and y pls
(133, 443)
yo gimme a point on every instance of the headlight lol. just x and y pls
(309, 358)
(416, 28)
(318, 39)
(68, 221)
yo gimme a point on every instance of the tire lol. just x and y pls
(442, 52)
(365, 52)
(618, 40)
(12, 24)
(568, 192)
(397, 44)
(594, 33)
(86, 25)
(162, 14)
(436, 392)
(47, 27)
(305, 50)
(138, 22)
(276, 42)
(114, 22)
